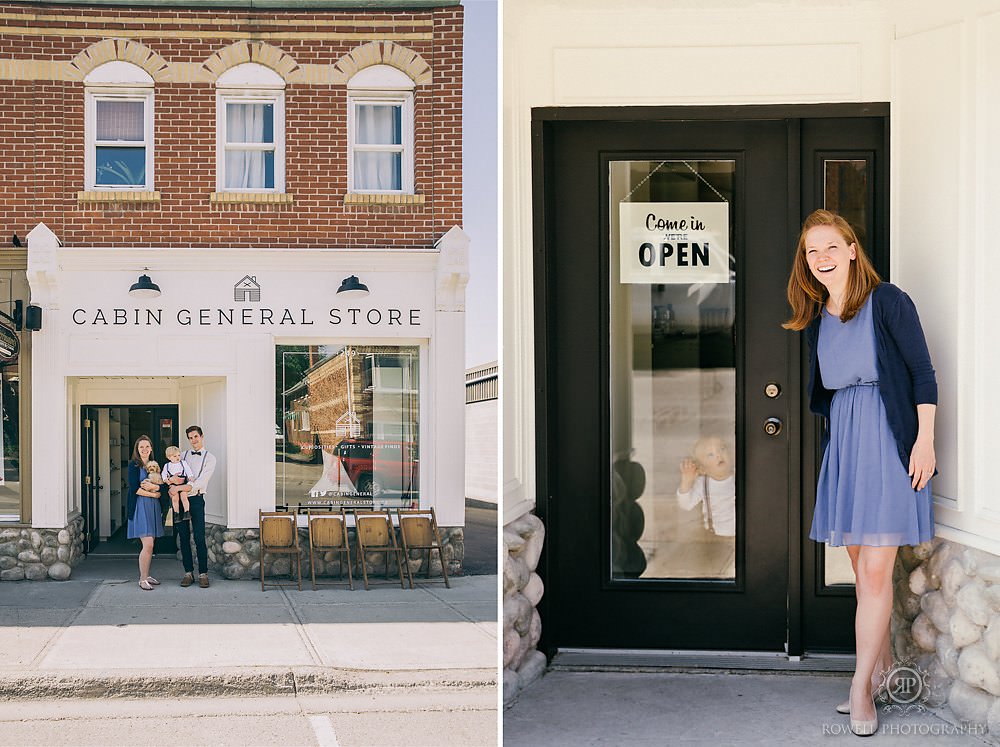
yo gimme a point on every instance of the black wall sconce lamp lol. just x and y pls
(26, 318)
(353, 288)
(33, 318)
(10, 324)
(144, 287)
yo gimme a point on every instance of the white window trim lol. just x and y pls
(250, 96)
(356, 96)
(94, 94)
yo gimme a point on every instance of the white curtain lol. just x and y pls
(378, 125)
(120, 120)
(245, 124)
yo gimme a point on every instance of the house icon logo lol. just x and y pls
(247, 289)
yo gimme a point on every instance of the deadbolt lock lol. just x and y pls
(772, 426)
(772, 390)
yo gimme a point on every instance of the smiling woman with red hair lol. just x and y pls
(871, 378)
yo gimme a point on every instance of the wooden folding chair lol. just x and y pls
(279, 535)
(375, 533)
(328, 533)
(418, 530)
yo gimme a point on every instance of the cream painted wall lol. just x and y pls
(946, 101)
(936, 63)
(481, 451)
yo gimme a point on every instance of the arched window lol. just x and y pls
(380, 131)
(250, 150)
(118, 127)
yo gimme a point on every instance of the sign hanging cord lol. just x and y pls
(659, 166)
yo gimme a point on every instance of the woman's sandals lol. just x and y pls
(145, 585)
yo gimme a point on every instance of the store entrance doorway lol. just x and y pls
(108, 435)
(677, 458)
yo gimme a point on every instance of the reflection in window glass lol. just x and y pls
(845, 192)
(673, 398)
(120, 167)
(347, 420)
(13, 285)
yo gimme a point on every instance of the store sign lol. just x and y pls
(257, 316)
(250, 302)
(674, 242)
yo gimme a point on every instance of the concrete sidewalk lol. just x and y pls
(99, 635)
(575, 708)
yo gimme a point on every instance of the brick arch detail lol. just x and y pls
(262, 53)
(127, 50)
(385, 53)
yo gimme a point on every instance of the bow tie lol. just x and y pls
(195, 453)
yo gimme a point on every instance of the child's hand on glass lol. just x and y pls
(689, 473)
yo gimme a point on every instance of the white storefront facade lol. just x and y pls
(207, 351)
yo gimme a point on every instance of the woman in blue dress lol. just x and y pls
(144, 521)
(871, 378)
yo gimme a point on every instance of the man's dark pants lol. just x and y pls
(197, 525)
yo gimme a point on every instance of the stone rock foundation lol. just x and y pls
(235, 553)
(946, 618)
(38, 554)
(522, 590)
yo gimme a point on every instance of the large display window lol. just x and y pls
(347, 423)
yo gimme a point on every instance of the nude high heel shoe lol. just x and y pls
(878, 694)
(866, 727)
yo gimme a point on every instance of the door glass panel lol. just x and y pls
(673, 386)
(845, 190)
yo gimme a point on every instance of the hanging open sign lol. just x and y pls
(674, 242)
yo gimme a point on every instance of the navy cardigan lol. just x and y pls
(133, 485)
(906, 376)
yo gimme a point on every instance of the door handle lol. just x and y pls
(772, 426)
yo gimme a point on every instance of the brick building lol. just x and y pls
(213, 199)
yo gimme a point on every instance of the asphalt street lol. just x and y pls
(422, 718)
(480, 540)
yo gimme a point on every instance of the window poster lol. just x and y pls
(347, 425)
(674, 242)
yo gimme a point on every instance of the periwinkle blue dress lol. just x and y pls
(864, 496)
(147, 521)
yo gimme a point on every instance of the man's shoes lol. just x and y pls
(203, 580)
(188, 579)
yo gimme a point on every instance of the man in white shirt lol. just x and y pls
(202, 464)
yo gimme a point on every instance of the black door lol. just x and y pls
(159, 422)
(844, 167)
(89, 478)
(673, 444)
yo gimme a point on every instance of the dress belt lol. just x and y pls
(862, 383)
